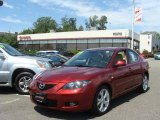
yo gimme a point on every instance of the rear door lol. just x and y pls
(134, 64)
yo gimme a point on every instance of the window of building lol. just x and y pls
(105, 40)
(93, 41)
(43, 42)
(82, 41)
(52, 41)
(61, 41)
(71, 41)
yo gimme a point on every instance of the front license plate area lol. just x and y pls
(40, 97)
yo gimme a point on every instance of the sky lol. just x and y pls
(17, 15)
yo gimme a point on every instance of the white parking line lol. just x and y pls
(23, 95)
(26, 95)
(8, 102)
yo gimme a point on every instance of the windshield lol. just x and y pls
(10, 50)
(90, 58)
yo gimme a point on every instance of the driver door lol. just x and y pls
(121, 75)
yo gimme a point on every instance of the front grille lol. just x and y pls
(47, 102)
(46, 87)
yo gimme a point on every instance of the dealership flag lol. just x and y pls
(138, 15)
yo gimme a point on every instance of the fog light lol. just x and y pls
(71, 104)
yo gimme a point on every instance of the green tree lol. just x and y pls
(68, 24)
(44, 25)
(27, 31)
(159, 36)
(80, 28)
(102, 23)
(92, 22)
(10, 39)
(87, 25)
(95, 22)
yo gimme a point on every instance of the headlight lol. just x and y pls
(76, 84)
(43, 64)
(37, 75)
(34, 78)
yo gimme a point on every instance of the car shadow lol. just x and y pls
(7, 90)
(86, 115)
(125, 98)
(64, 115)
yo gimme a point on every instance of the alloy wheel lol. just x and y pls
(145, 83)
(103, 100)
(24, 83)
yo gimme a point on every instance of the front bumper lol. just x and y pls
(65, 100)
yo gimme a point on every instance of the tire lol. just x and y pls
(144, 86)
(101, 101)
(22, 82)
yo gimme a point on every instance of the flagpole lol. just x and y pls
(133, 17)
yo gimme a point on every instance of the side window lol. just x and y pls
(132, 56)
(121, 55)
(55, 59)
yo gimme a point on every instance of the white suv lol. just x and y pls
(17, 70)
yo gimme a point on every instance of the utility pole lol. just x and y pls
(133, 19)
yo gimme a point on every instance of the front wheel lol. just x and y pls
(22, 82)
(101, 101)
(145, 84)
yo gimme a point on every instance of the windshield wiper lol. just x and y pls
(83, 66)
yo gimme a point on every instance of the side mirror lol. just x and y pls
(2, 57)
(62, 61)
(120, 63)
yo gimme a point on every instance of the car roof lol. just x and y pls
(47, 51)
(108, 48)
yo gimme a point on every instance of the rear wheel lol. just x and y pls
(22, 82)
(101, 101)
(145, 84)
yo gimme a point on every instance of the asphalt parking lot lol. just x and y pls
(132, 106)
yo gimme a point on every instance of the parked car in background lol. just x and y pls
(47, 53)
(17, 70)
(141, 54)
(90, 80)
(157, 56)
(57, 60)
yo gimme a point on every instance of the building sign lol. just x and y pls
(25, 37)
(117, 34)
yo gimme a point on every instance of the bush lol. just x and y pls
(30, 52)
(148, 54)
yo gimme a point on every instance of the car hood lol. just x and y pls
(68, 74)
(33, 58)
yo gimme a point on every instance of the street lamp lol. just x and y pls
(1, 2)
(133, 18)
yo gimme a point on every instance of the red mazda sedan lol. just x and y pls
(90, 80)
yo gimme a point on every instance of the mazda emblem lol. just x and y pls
(41, 86)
